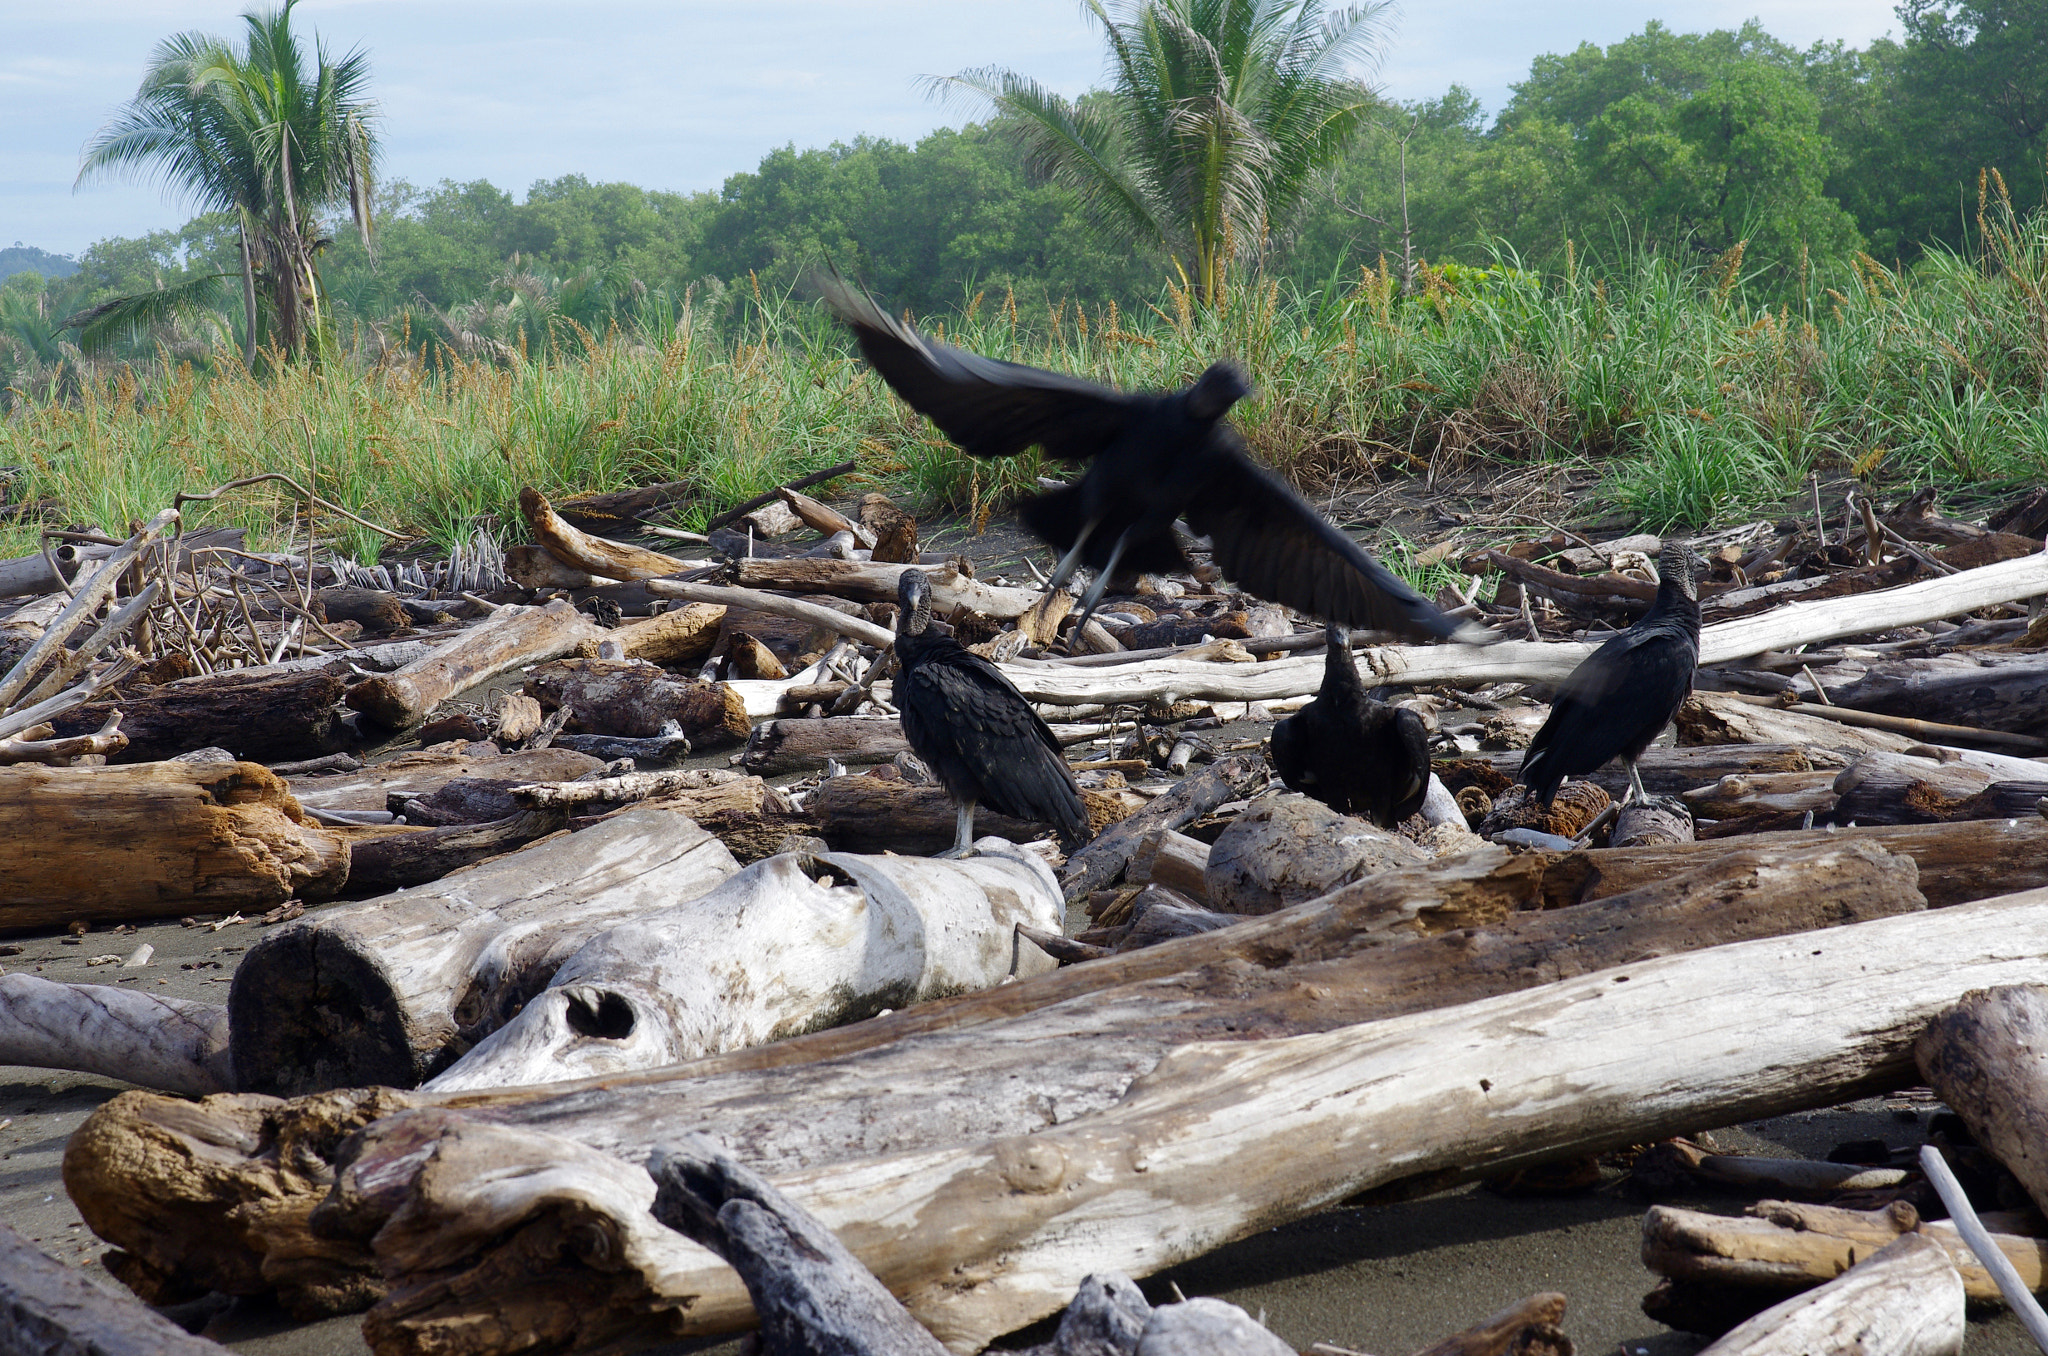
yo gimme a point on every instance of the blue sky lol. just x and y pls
(680, 95)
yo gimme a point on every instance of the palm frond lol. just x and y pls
(126, 317)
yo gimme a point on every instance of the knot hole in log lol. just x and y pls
(609, 1018)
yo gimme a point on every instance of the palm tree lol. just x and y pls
(1219, 115)
(257, 134)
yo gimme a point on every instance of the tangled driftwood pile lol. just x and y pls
(562, 955)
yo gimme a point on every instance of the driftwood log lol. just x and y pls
(36, 744)
(871, 814)
(511, 638)
(535, 568)
(678, 638)
(639, 700)
(1724, 718)
(50, 1309)
(170, 1044)
(592, 555)
(1988, 1058)
(1905, 1300)
(1989, 691)
(795, 745)
(1672, 771)
(965, 1071)
(398, 860)
(265, 716)
(866, 582)
(154, 839)
(426, 771)
(392, 990)
(722, 595)
(1895, 788)
(767, 954)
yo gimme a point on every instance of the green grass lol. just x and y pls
(1698, 406)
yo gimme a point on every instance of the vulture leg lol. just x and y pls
(1093, 597)
(1635, 784)
(1072, 559)
(963, 834)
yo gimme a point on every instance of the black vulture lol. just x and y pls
(974, 730)
(1151, 458)
(1624, 693)
(1356, 755)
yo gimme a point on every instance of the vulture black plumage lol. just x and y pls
(974, 730)
(1624, 693)
(1356, 755)
(1151, 458)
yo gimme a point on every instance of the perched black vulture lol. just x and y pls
(1350, 752)
(1151, 458)
(974, 730)
(1627, 691)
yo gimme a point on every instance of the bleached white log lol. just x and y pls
(1221, 1138)
(387, 990)
(771, 953)
(864, 581)
(170, 1044)
(1529, 661)
(1905, 1300)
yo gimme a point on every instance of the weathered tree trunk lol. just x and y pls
(1098, 865)
(171, 1044)
(1891, 788)
(424, 772)
(1988, 1058)
(1782, 1247)
(50, 1309)
(265, 717)
(511, 638)
(1647, 823)
(1721, 718)
(1007, 1062)
(867, 582)
(393, 989)
(1223, 1139)
(1957, 862)
(155, 839)
(1906, 1300)
(639, 701)
(767, 954)
(534, 567)
(795, 745)
(376, 610)
(1758, 803)
(399, 860)
(1989, 691)
(678, 638)
(593, 555)
(1174, 860)
(870, 814)
(1672, 771)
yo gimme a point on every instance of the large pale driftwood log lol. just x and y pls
(1781, 1247)
(796, 745)
(592, 555)
(640, 700)
(50, 1309)
(767, 954)
(866, 582)
(425, 771)
(870, 814)
(1895, 788)
(1957, 862)
(171, 1044)
(1906, 1300)
(512, 637)
(1988, 1058)
(398, 860)
(812, 1296)
(265, 716)
(1006, 1062)
(532, 566)
(149, 839)
(1098, 865)
(1723, 718)
(1762, 801)
(1223, 1138)
(392, 990)
(724, 595)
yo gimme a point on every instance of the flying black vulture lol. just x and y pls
(1350, 752)
(1151, 458)
(1627, 691)
(974, 730)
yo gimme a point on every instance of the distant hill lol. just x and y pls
(20, 258)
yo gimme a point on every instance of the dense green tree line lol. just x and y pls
(1680, 143)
